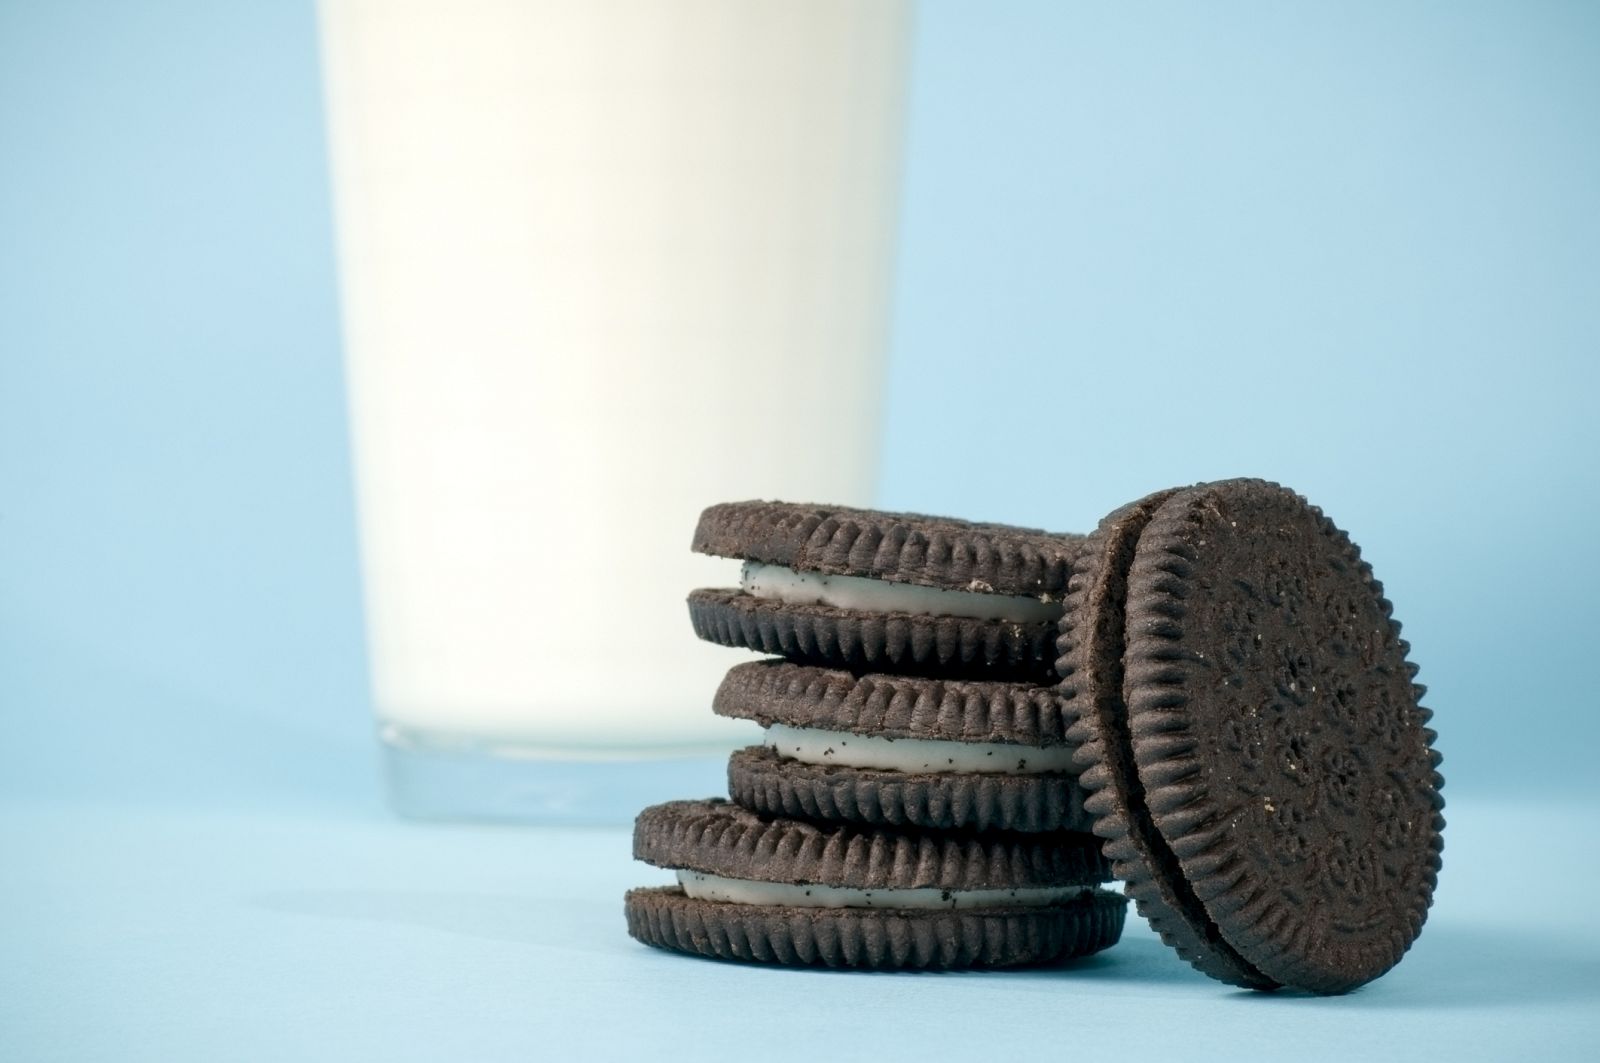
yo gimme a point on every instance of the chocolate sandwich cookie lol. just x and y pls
(885, 591)
(1255, 753)
(904, 751)
(782, 891)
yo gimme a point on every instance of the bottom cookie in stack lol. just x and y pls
(789, 892)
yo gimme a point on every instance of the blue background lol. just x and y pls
(1355, 248)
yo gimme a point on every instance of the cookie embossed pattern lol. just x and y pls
(1251, 737)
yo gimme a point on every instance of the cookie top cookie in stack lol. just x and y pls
(895, 592)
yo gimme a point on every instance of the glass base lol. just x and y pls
(436, 777)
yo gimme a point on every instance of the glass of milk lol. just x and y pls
(602, 264)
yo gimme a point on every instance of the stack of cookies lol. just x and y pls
(914, 801)
(1212, 683)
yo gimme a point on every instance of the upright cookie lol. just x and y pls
(780, 891)
(1255, 753)
(893, 592)
(902, 751)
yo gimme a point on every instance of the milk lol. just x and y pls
(602, 264)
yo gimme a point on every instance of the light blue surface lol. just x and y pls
(159, 934)
(1354, 248)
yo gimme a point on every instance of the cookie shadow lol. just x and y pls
(587, 926)
(1453, 965)
(1138, 959)
(1468, 966)
(491, 917)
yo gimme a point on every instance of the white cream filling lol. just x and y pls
(706, 887)
(880, 596)
(810, 745)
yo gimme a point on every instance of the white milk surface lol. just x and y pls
(602, 265)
